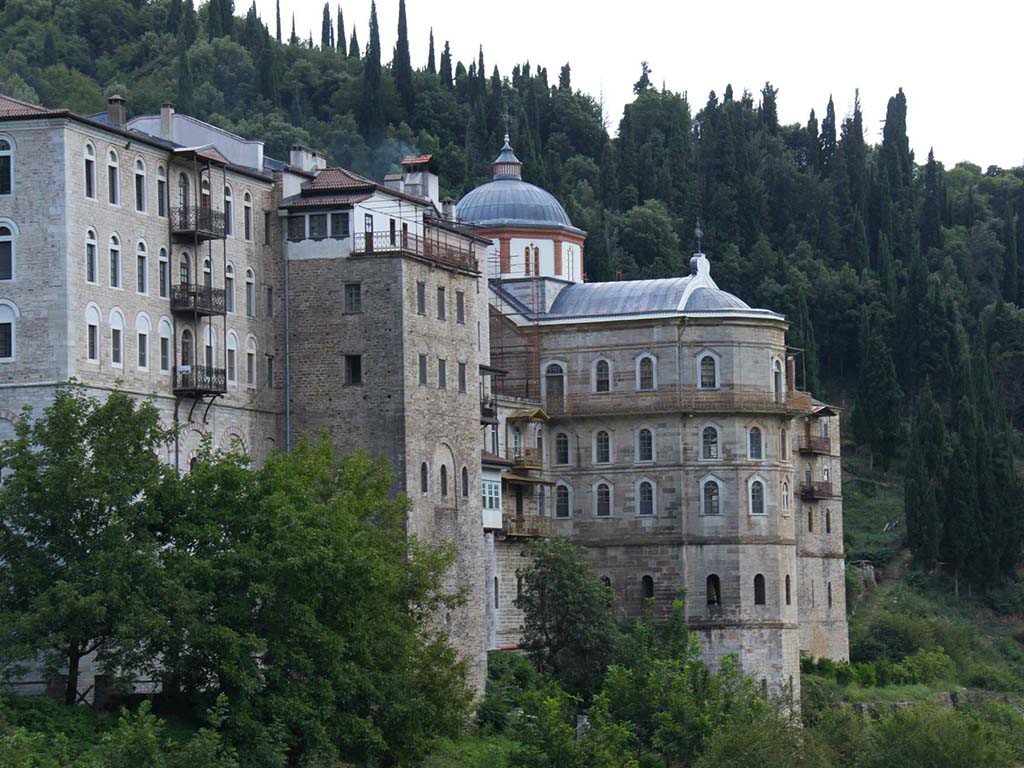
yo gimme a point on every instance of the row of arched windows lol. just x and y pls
(826, 516)
(443, 480)
(713, 590)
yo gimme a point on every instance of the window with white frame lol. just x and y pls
(229, 288)
(247, 216)
(250, 293)
(709, 443)
(207, 273)
(161, 191)
(115, 261)
(164, 274)
(141, 268)
(140, 185)
(757, 506)
(826, 473)
(554, 380)
(165, 345)
(8, 330)
(755, 444)
(645, 445)
(6, 166)
(645, 498)
(92, 333)
(603, 499)
(602, 447)
(142, 331)
(708, 377)
(232, 358)
(90, 171)
(561, 448)
(91, 259)
(710, 497)
(187, 348)
(229, 226)
(646, 375)
(116, 339)
(6, 252)
(563, 500)
(602, 376)
(113, 179)
(491, 494)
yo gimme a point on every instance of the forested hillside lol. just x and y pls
(900, 277)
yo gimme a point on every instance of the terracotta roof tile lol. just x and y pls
(10, 107)
(321, 201)
(337, 178)
(417, 160)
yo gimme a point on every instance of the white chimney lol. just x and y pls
(306, 159)
(167, 120)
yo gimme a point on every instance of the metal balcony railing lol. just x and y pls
(196, 380)
(811, 444)
(384, 243)
(815, 491)
(527, 525)
(199, 298)
(197, 222)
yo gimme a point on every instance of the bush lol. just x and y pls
(926, 667)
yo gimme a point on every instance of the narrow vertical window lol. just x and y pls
(460, 307)
(250, 293)
(354, 370)
(115, 262)
(90, 172)
(353, 298)
(647, 587)
(113, 179)
(709, 443)
(708, 372)
(91, 267)
(92, 334)
(784, 445)
(229, 288)
(116, 339)
(165, 346)
(161, 192)
(140, 186)
(424, 475)
(6, 167)
(645, 445)
(421, 298)
(164, 274)
(440, 303)
(423, 370)
(444, 480)
(561, 501)
(602, 448)
(141, 268)
(232, 358)
(645, 502)
(755, 450)
(229, 228)
(789, 592)
(714, 590)
(757, 498)
(247, 216)
(645, 377)
(465, 481)
(604, 500)
(6, 252)
(602, 376)
(828, 521)
(711, 497)
(250, 363)
(561, 448)
(554, 381)
(442, 373)
(8, 318)
(759, 590)
(462, 378)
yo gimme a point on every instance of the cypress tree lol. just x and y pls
(294, 39)
(189, 24)
(931, 208)
(326, 29)
(278, 10)
(49, 47)
(860, 255)
(227, 16)
(185, 99)
(401, 64)
(353, 45)
(1011, 261)
(769, 108)
(342, 45)
(895, 152)
(445, 69)
(565, 78)
(812, 159)
(213, 20)
(960, 511)
(925, 480)
(174, 17)
(877, 410)
(372, 111)
(827, 141)
(431, 65)
(887, 271)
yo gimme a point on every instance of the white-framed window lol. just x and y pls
(207, 273)
(164, 274)
(710, 496)
(778, 384)
(113, 178)
(563, 500)
(92, 333)
(646, 373)
(229, 227)
(209, 347)
(491, 494)
(755, 444)
(826, 473)
(785, 498)
(8, 236)
(161, 191)
(141, 268)
(709, 444)
(187, 348)
(89, 171)
(603, 499)
(602, 447)
(707, 371)
(645, 444)
(164, 332)
(92, 268)
(232, 358)
(646, 493)
(250, 293)
(142, 334)
(184, 194)
(6, 165)
(9, 315)
(247, 215)
(250, 362)
(561, 448)
(229, 288)
(115, 261)
(204, 194)
(140, 185)
(757, 503)
(116, 338)
(601, 375)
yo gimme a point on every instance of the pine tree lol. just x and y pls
(342, 43)
(401, 64)
(828, 138)
(353, 45)
(278, 9)
(641, 85)
(445, 69)
(189, 24)
(372, 110)
(186, 103)
(174, 11)
(326, 30)
(431, 64)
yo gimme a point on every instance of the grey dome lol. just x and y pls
(625, 297)
(706, 299)
(513, 202)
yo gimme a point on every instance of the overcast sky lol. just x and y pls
(960, 64)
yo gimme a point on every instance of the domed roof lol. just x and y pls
(508, 201)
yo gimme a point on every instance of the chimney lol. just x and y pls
(116, 111)
(448, 209)
(306, 159)
(167, 120)
(791, 374)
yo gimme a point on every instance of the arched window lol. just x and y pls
(92, 334)
(647, 587)
(229, 288)
(250, 293)
(645, 498)
(161, 191)
(810, 520)
(8, 326)
(709, 443)
(116, 339)
(710, 498)
(184, 199)
(6, 166)
(755, 447)
(554, 380)
(807, 473)
(789, 591)
(536, 260)
(164, 331)
(645, 378)
(714, 590)
(444, 480)
(247, 216)
(207, 273)
(141, 268)
(187, 347)
(91, 260)
(204, 194)
(602, 376)
(115, 262)
(142, 330)
(185, 269)
(424, 478)
(113, 179)
(708, 372)
(603, 500)
(777, 380)
(6, 252)
(465, 481)
(759, 597)
(140, 185)
(828, 521)
(232, 358)
(826, 472)
(228, 211)
(163, 274)
(644, 445)
(90, 171)
(757, 498)
(785, 496)
(602, 448)
(561, 448)
(784, 445)
(562, 501)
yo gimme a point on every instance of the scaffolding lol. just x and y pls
(515, 327)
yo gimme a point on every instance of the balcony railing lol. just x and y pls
(198, 222)
(197, 380)
(527, 525)
(385, 243)
(811, 444)
(686, 400)
(199, 298)
(488, 410)
(527, 458)
(815, 491)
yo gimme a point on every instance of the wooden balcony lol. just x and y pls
(197, 223)
(199, 299)
(811, 444)
(685, 400)
(443, 253)
(533, 526)
(199, 380)
(488, 410)
(526, 458)
(816, 491)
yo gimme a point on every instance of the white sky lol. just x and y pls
(959, 64)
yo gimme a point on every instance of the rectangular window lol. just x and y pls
(392, 232)
(229, 218)
(270, 301)
(115, 346)
(353, 298)
(90, 178)
(90, 262)
(231, 365)
(164, 279)
(140, 193)
(92, 342)
(423, 370)
(460, 307)
(161, 198)
(442, 373)
(353, 370)
(421, 298)
(165, 354)
(462, 378)
(6, 340)
(229, 292)
(296, 227)
(247, 214)
(143, 350)
(115, 268)
(270, 371)
(491, 494)
(6, 260)
(250, 298)
(266, 227)
(250, 369)
(440, 303)
(318, 226)
(339, 225)
(141, 281)
(112, 191)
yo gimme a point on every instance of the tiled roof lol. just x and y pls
(337, 178)
(10, 107)
(487, 457)
(416, 160)
(322, 201)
